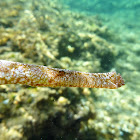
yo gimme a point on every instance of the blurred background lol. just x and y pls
(83, 35)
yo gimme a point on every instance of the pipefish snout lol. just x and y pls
(37, 75)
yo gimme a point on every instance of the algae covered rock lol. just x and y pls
(34, 113)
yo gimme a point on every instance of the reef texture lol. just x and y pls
(45, 33)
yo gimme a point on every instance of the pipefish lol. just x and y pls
(37, 75)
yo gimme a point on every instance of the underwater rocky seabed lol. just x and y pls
(45, 33)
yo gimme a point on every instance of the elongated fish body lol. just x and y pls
(36, 75)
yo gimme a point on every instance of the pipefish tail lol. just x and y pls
(37, 75)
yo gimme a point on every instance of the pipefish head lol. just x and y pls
(119, 80)
(115, 80)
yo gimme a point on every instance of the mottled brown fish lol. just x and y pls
(34, 75)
